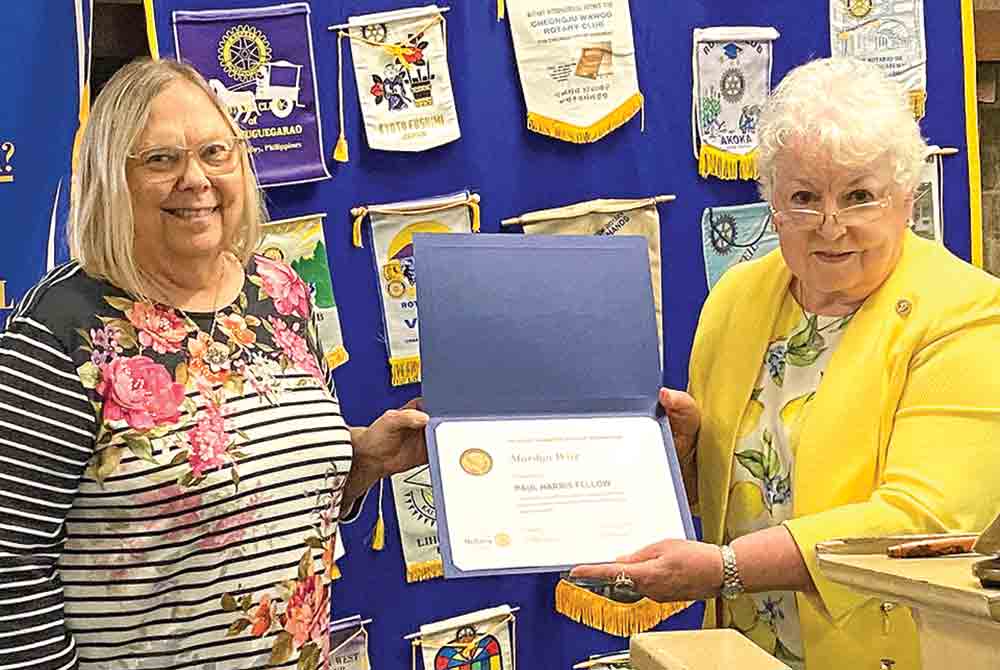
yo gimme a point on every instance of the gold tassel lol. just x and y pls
(340, 153)
(568, 132)
(473, 204)
(726, 165)
(621, 619)
(405, 370)
(335, 573)
(359, 214)
(337, 357)
(420, 572)
(500, 11)
(378, 531)
(918, 101)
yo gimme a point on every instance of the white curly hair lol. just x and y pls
(845, 109)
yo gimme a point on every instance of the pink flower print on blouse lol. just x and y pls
(294, 347)
(236, 327)
(175, 508)
(231, 528)
(208, 442)
(307, 615)
(289, 293)
(159, 327)
(140, 391)
(106, 345)
(262, 617)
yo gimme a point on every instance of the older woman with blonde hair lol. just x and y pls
(830, 389)
(174, 458)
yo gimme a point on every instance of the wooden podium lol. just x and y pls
(958, 620)
(699, 650)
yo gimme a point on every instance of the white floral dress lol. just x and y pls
(760, 494)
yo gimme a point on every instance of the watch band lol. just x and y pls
(732, 585)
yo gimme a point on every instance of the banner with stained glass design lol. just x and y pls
(482, 640)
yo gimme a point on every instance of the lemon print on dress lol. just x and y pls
(792, 416)
(751, 417)
(746, 506)
(745, 618)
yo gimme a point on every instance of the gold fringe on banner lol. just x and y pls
(337, 357)
(918, 101)
(725, 165)
(405, 370)
(334, 572)
(500, 10)
(378, 530)
(583, 134)
(421, 572)
(621, 619)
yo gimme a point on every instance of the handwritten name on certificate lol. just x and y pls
(554, 492)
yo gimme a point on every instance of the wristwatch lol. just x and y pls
(732, 585)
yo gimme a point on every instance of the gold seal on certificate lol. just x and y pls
(476, 462)
(560, 491)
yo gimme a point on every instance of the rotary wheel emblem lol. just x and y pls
(243, 49)
(859, 8)
(732, 85)
(375, 32)
(723, 233)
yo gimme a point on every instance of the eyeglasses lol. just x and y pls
(217, 157)
(855, 216)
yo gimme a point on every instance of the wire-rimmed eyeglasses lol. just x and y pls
(853, 216)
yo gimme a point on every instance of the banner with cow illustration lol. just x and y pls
(260, 63)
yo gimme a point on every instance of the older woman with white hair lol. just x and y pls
(174, 461)
(832, 386)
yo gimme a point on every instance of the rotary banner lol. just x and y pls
(888, 33)
(733, 235)
(577, 66)
(260, 63)
(45, 53)
(416, 516)
(349, 644)
(607, 216)
(732, 78)
(483, 640)
(404, 84)
(300, 243)
(393, 226)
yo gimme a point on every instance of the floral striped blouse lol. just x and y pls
(170, 486)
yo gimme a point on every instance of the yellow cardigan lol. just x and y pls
(903, 436)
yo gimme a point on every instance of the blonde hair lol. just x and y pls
(847, 109)
(101, 227)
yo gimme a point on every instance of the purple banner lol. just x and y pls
(259, 61)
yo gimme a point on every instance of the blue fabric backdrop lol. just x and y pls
(514, 171)
(40, 48)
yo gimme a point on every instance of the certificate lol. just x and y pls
(549, 493)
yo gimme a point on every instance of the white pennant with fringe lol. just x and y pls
(888, 33)
(484, 640)
(732, 78)
(393, 226)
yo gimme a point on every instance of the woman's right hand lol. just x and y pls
(685, 420)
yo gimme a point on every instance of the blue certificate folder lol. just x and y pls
(520, 327)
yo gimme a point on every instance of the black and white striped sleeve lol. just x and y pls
(47, 428)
